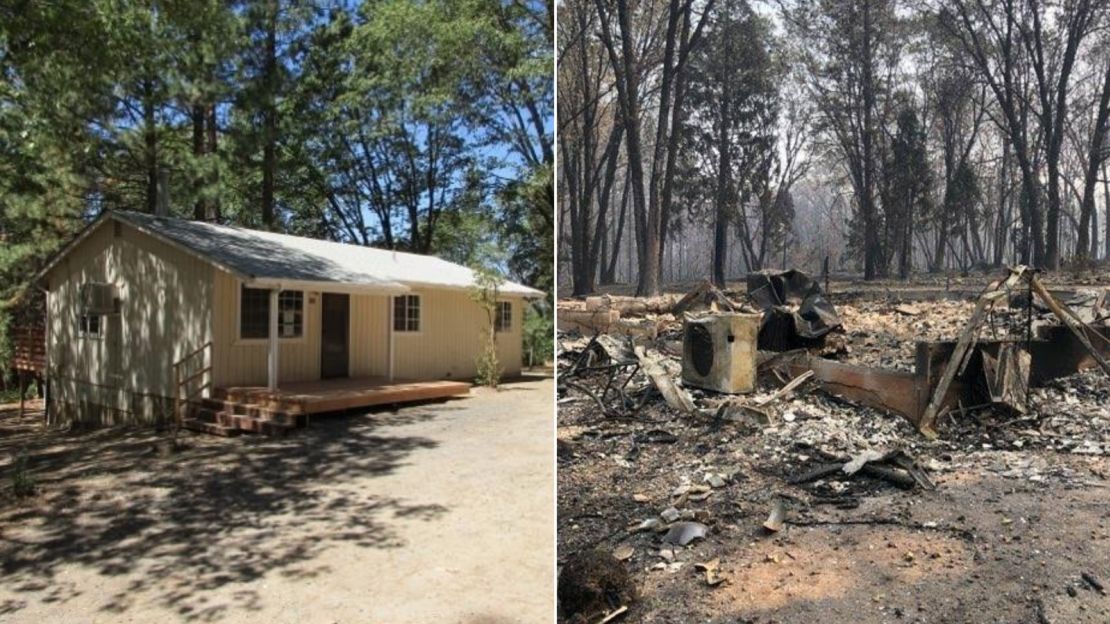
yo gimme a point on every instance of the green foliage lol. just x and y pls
(489, 368)
(734, 84)
(528, 219)
(963, 193)
(484, 292)
(419, 125)
(539, 335)
(906, 189)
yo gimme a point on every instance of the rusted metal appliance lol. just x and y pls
(718, 352)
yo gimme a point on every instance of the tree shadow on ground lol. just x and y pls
(222, 511)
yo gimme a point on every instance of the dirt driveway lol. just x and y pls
(433, 513)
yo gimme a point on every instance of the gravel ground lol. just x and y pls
(433, 513)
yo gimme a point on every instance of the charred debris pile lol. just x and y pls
(726, 356)
(762, 408)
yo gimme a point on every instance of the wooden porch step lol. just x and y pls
(209, 420)
(260, 400)
(202, 426)
(254, 425)
(254, 411)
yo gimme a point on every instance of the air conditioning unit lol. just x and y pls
(718, 352)
(99, 299)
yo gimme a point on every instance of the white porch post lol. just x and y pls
(390, 301)
(273, 344)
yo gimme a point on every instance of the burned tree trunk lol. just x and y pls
(1088, 223)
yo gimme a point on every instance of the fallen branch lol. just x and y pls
(674, 396)
(963, 533)
(614, 615)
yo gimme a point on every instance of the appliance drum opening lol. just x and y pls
(701, 348)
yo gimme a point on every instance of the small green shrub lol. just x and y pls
(489, 369)
(484, 293)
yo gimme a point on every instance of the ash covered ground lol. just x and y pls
(1016, 529)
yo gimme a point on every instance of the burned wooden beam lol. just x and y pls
(1007, 376)
(964, 345)
(887, 390)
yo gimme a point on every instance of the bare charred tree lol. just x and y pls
(624, 29)
(959, 114)
(1096, 156)
(1008, 42)
(989, 34)
(590, 140)
(852, 50)
(734, 105)
(1053, 58)
(626, 65)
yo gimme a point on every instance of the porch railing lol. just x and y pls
(187, 372)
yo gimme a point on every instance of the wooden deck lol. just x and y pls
(314, 397)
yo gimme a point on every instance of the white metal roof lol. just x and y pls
(270, 259)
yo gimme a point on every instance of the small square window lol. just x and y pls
(89, 325)
(406, 313)
(254, 313)
(503, 322)
(291, 314)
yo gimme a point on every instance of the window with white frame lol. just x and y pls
(291, 314)
(406, 313)
(89, 325)
(503, 322)
(254, 313)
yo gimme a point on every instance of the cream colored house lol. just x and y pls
(145, 311)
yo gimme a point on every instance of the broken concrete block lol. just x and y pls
(587, 322)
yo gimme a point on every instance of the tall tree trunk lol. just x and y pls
(1094, 233)
(1090, 179)
(604, 191)
(724, 175)
(651, 267)
(872, 244)
(943, 228)
(1106, 208)
(150, 139)
(197, 114)
(609, 272)
(686, 43)
(646, 241)
(1005, 203)
(269, 149)
(213, 165)
(578, 220)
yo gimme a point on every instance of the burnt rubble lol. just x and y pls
(780, 453)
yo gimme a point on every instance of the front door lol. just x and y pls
(335, 323)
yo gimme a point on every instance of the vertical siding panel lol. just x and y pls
(164, 295)
(452, 326)
(369, 336)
